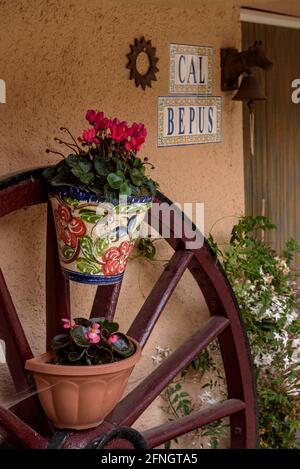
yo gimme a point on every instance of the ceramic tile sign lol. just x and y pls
(190, 70)
(188, 120)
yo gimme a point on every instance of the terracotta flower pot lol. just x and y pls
(80, 397)
(95, 237)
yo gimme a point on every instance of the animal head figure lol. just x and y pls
(235, 63)
(255, 57)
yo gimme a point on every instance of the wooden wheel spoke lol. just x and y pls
(167, 431)
(17, 351)
(57, 286)
(11, 331)
(105, 301)
(18, 192)
(134, 404)
(149, 313)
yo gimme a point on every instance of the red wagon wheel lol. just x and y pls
(28, 427)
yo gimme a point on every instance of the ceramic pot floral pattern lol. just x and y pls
(94, 237)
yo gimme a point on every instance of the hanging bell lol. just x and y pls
(249, 90)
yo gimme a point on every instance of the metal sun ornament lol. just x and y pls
(142, 46)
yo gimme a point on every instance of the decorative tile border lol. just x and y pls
(190, 70)
(188, 120)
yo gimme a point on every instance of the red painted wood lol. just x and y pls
(30, 192)
(234, 348)
(167, 431)
(20, 434)
(105, 301)
(11, 331)
(148, 315)
(17, 352)
(57, 286)
(134, 404)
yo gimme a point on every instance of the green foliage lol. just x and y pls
(92, 341)
(146, 248)
(215, 431)
(263, 285)
(202, 363)
(181, 404)
(179, 400)
(105, 168)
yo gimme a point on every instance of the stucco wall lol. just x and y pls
(61, 57)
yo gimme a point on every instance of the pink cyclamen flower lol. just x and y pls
(136, 135)
(91, 116)
(119, 131)
(66, 323)
(112, 339)
(98, 120)
(88, 135)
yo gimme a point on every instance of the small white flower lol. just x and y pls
(287, 362)
(284, 338)
(156, 359)
(276, 316)
(266, 359)
(207, 397)
(277, 336)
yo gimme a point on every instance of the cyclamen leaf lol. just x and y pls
(83, 176)
(125, 188)
(115, 180)
(100, 167)
(136, 177)
(73, 160)
(85, 166)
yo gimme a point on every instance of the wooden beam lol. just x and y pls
(148, 315)
(19, 433)
(167, 431)
(57, 286)
(105, 301)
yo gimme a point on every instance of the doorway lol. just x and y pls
(272, 176)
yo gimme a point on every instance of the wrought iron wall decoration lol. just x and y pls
(234, 64)
(142, 79)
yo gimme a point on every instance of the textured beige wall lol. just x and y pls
(61, 57)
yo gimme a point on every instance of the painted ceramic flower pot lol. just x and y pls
(80, 397)
(95, 237)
